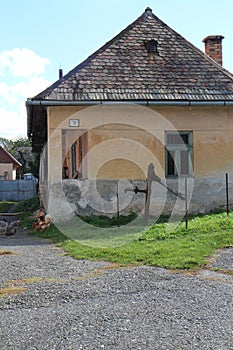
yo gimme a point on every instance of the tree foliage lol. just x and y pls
(11, 146)
(20, 149)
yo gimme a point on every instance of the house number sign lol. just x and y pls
(74, 122)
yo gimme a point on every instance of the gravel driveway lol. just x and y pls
(71, 304)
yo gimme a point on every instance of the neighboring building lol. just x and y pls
(8, 165)
(147, 96)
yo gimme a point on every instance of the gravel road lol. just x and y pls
(71, 304)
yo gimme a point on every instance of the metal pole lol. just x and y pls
(186, 203)
(150, 174)
(118, 211)
(227, 194)
(147, 200)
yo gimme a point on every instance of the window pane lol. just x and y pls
(170, 163)
(177, 139)
(184, 160)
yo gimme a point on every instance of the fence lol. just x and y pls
(17, 190)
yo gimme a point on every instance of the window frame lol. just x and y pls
(177, 149)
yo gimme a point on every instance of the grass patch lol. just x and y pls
(105, 222)
(6, 291)
(222, 271)
(179, 249)
(5, 206)
(32, 280)
(154, 245)
(7, 252)
(28, 206)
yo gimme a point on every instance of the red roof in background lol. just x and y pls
(7, 158)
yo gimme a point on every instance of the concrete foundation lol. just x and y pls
(88, 197)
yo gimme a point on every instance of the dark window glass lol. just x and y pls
(177, 139)
(170, 163)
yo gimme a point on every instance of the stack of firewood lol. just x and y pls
(42, 222)
(8, 228)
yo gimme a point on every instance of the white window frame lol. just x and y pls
(177, 150)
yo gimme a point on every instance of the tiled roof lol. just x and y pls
(124, 70)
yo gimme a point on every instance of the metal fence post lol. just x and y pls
(186, 203)
(227, 194)
(118, 205)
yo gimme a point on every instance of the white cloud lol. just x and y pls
(30, 87)
(22, 63)
(21, 75)
(6, 93)
(13, 121)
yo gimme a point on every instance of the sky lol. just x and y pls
(39, 38)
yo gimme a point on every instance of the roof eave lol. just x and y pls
(47, 103)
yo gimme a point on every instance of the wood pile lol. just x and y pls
(8, 228)
(42, 222)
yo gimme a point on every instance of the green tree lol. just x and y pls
(20, 149)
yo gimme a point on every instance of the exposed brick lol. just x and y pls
(213, 47)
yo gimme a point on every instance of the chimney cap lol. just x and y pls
(60, 73)
(213, 38)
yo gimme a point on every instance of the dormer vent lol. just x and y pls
(152, 46)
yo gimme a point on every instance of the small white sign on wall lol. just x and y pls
(74, 122)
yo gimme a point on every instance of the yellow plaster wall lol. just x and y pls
(123, 152)
(212, 138)
(7, 167)
(120, 169)
(139, 126)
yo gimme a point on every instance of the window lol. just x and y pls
(178, 153)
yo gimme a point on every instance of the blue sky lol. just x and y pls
(38, 38)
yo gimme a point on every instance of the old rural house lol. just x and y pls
(146, 96)
(8, 165)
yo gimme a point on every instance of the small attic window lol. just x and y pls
(151, 46)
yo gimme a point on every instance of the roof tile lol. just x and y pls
(124, 67)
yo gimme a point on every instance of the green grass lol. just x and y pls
(155, 245)
(5, 206)
(28, 206)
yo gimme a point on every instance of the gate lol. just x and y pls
(17, 190)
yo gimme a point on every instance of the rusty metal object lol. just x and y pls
(151, 176)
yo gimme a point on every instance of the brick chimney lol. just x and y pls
(213, 47)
